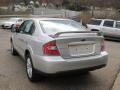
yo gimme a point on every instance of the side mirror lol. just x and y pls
(17, 30)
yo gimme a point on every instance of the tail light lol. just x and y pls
(103, 45)
(51, 49)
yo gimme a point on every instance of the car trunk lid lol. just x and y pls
(80, 44)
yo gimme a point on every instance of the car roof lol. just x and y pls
(102, 19)
(40, 19)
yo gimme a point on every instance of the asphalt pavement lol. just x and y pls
(13, 75)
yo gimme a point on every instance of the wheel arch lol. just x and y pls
(95, 30)
(11, 39)
(26, 53)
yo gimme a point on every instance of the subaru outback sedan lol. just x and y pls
(53, 46)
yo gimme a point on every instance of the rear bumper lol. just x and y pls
(71, 72)
(53, 65)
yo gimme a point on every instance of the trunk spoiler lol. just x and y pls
(97, 32)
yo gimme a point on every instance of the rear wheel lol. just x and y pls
(31, 74)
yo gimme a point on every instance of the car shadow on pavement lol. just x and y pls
(71, 81)
(113, 39)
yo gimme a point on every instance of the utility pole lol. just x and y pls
(76, 3)
(9, 6)
(92, 10)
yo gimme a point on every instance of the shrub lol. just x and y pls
(76, 7)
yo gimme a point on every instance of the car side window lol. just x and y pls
(28, 27)
(108, 23)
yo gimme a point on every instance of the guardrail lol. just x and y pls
(32, 16)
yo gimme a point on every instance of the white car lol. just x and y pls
(9, 24)
(110, 28)
(53, 45)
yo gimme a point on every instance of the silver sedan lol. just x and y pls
(53, 46)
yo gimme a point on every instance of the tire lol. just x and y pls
(86, 72)
(12, 28)
(13, 51)
(31, 73)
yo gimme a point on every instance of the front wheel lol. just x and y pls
(12, 28)
(13, 51)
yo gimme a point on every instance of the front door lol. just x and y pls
(25, 35)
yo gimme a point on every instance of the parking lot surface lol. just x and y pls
(13, 75)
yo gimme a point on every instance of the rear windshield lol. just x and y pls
(95, 22)
(55, 26)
